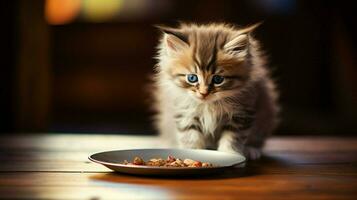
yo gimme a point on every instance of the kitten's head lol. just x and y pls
(209, 62)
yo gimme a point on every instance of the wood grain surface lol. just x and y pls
(55, 166)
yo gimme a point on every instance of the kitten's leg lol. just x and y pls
(191, 138)
(252, 153)
(253, 145)
(230, 143)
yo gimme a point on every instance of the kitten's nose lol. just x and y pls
(203, 91)
(203, 94)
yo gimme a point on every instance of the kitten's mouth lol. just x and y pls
(202, 95)
(204, 98)
(207, 99)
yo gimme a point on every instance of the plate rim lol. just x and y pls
(244, 159)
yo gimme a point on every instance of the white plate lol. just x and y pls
(220, 160)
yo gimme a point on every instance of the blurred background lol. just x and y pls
(81, 66)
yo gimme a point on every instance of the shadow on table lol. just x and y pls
(252, 168)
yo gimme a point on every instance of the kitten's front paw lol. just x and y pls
(191, 140)
(192, 145)
(252, 153)
(228, 149)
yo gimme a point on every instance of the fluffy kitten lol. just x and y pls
(213, 90)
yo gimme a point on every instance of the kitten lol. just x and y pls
(213, 90)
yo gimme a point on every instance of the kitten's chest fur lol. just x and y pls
(206, 117)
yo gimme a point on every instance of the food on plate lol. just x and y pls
(169, 162)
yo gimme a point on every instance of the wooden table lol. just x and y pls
(55, 166)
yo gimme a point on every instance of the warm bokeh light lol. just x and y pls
(100, 10)
(61, 11)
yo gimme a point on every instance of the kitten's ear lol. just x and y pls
(239, 42)
(249, 29)
(174, 39)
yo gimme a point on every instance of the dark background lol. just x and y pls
(89, 76)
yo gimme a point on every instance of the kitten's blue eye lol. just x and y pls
(217, 79)
(192, 78)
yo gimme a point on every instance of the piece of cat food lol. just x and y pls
(196, 164)
(138, 161)
(169, 162)
(156, 162)
(206, 164)
(170, 159)
(188, 162)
